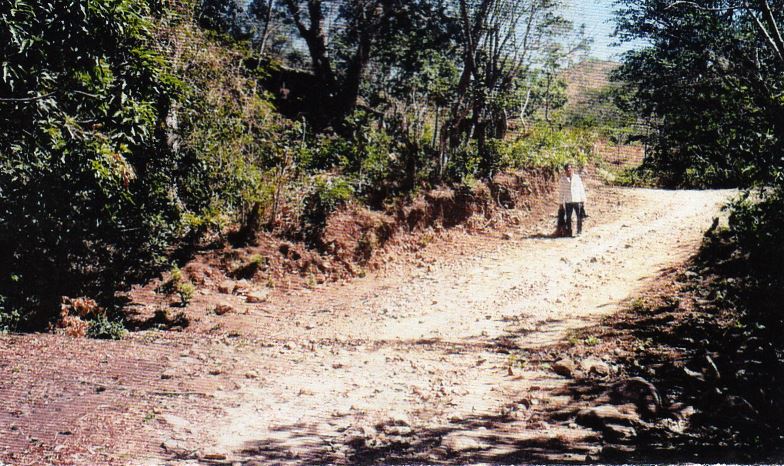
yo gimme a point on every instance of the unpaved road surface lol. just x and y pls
(424, 366)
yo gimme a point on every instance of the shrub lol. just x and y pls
(105, 329)
(248, 270)
(9, 317)
(177, 284)
(327, 194)
(546, 147)
(756, 227)
(237, 149)
(185, 291)
(640, 177)
(86, 176)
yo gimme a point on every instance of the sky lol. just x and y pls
(597, 15)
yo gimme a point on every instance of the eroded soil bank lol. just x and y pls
(438, 359)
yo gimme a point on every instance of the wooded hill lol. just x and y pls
(134, 132)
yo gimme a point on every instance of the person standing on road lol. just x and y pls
(572, 193)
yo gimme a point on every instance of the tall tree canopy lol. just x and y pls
(712, 77)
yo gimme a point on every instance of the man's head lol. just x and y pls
(568, 169)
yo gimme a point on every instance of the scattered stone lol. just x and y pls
(168, 374)
(694, 374)
(255, 297)
(176, 422)
(686, 413)
(399, 419)
(241, 287)
(172, 445)
(251, 375)
(226, 287)
(224, 308)
(564, 367)
(400, 431)
(617, 451)
(712, 370)
(461, 443)
(738, 407)
(507, 236)
(601, 416)
(619, 433)
(639, 391)
(595, 365)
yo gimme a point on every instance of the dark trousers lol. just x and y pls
(577, 209)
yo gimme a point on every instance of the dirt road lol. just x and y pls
(419, 368)
(425, 366)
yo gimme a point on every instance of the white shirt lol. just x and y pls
(572, 189)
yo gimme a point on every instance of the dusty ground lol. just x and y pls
(412, 364)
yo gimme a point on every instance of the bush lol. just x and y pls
(237, 150)
(327, 194)
(546, 147)
(9, 317)
(87, 203)
(105, 329)
(756, 228)
(639, 177)
(177, 284)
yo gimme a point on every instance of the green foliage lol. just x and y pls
(739, 272)
(127, 132)
(249, 269)
(712, 83)
(177, 284)
(234, 145)
(85, 176)
(370, 160)
(9, 317)
(105, 329)
(755, 225)
(464, 161)
(546, 147)
(607, 111)
(639, 177)
(185, 290)
(327, 194)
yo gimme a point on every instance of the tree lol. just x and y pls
(86, 198)
(503, 41)
(232, 17)
(711, 77)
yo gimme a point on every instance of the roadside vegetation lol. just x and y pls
(135, 133)
(714, 100)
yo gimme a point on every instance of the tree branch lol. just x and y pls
(27, 99)
(775, 32)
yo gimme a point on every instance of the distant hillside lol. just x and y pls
(584, 77)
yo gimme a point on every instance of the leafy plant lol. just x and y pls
(86, 205)
(101, 327)
(717, 114)
(177, 284)
(327, 194)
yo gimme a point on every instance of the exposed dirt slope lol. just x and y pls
(419, 364)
